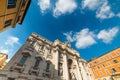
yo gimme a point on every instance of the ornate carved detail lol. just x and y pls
(34, 70)
(74, 66)
(46, 74)
(27, 53)
(18, 67)
(49, 56)
(29, 48)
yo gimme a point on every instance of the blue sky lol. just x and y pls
(91, 26)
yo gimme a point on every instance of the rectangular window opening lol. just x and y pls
(22, 60)
(47, 67)
(37, 63)
(113, 70)
(7, 23)
(11, 4)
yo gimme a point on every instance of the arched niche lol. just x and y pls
(70, 62)
(71, 69)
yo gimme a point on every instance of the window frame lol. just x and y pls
(115, 61)
(47, 67)
(24, 3)
(37, 63)
(11, 5)
(22, 60)
(7, 23)
(113, 70)
(10, 78)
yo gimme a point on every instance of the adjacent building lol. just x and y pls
(107, 66)
(12, 12)
(3, 58)
(41, 59)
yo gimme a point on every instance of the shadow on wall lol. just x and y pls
(29, 64)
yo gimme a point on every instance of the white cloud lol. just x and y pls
(83, 39)
(91, 4)
(64, 6)
(104, 11)
(86, 38)
(12, 40)
(118, 15)
(108, 35)
(44, 5)
(69, 36)
(4, 51)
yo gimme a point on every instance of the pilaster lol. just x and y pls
(65, 67)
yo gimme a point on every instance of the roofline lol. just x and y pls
(103, 54)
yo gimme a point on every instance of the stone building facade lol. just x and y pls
(41, 59)
(3, 58)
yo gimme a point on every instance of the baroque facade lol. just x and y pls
(12, 12)
(41, 59)
(107, 66)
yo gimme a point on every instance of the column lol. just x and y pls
(78, 75)
(65, 67)
(55, 58)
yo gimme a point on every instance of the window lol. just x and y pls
(47, 67)
(42, 47)
(105, 59)
(108, 63)
(37, 63)
(11, 78)
(98, 67)
(111, 56)
(7, 23)
(39, 49)
(33, 43)
(11, 4)
(103, 65)
(118, 53)
(115, 61)
(23, 3)
(22, 60)
(95, 62)
(113, 70)
(107, 72)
